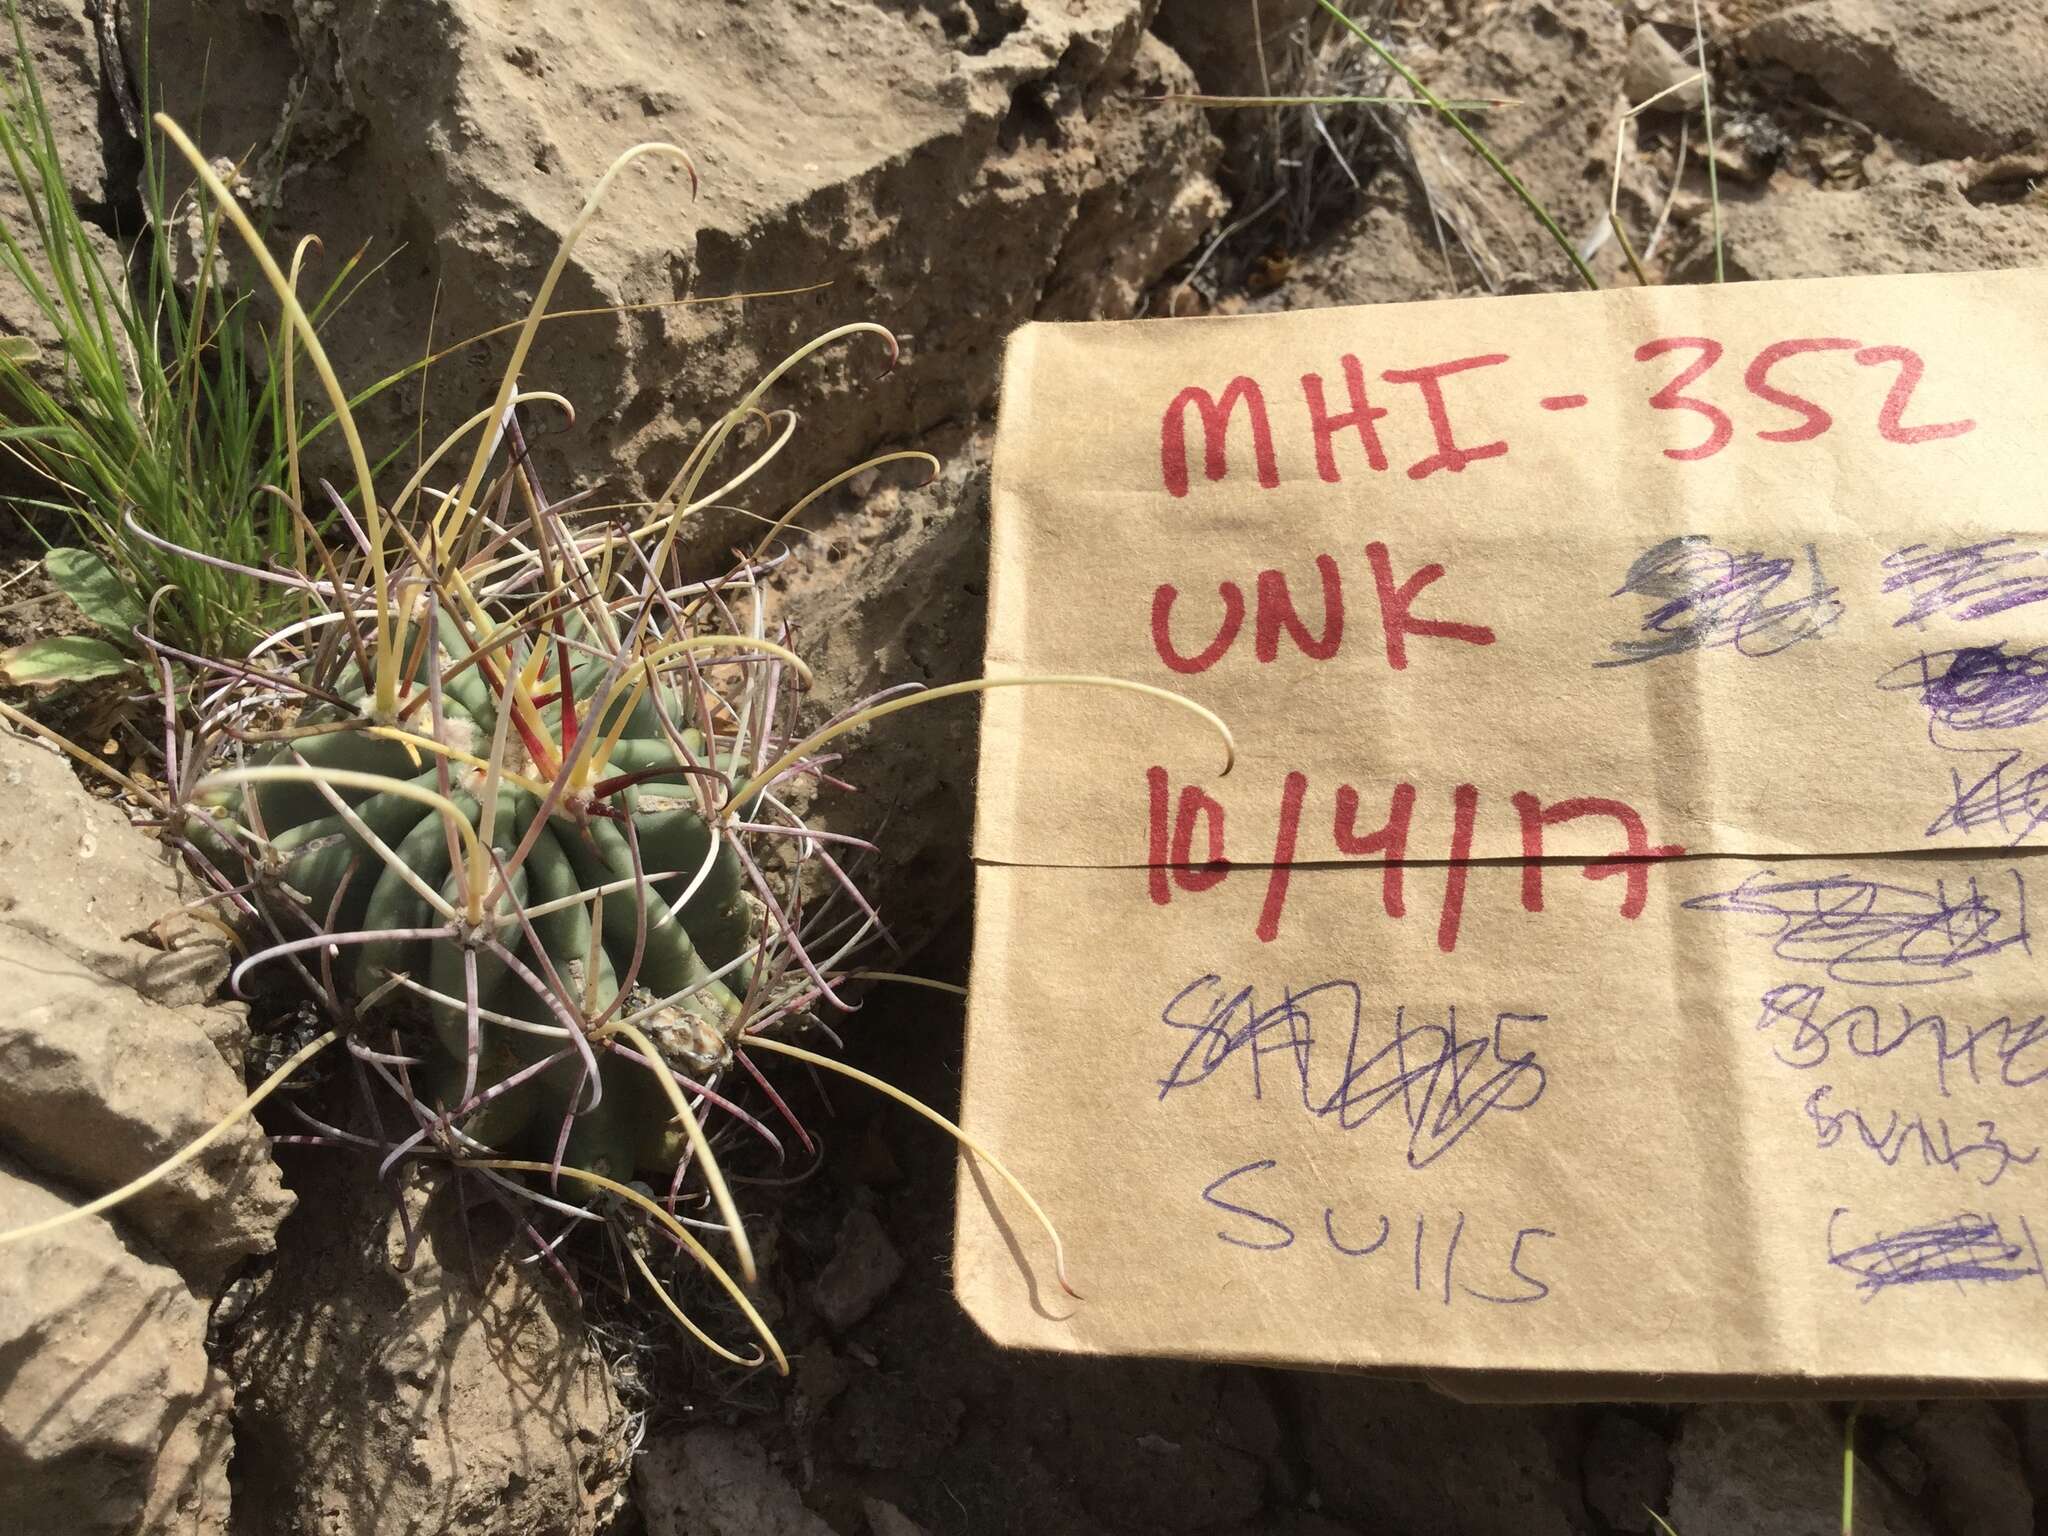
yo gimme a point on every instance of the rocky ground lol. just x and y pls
(265, 1344)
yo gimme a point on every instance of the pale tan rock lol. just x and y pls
(863, 1266)
(1655, 68)
(1959, 77)
(1386, 253)
(73, 873)
(931, 165)
(98, 1084)
(718, 1482)
(1146, 198)
(109, 1418)
(63, 47)
(915, 612)
(189, 1492)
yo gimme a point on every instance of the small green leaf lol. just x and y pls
(60, 659)
(19, 350)
(89, 582)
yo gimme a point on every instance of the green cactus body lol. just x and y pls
(694, 960)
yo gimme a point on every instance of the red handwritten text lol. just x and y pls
(1337, 424)
(1278, 614)
(1176, 821)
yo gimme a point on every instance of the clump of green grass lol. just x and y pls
(159, 423)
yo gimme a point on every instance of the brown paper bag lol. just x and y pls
(1608, 964)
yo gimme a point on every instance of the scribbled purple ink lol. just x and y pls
(1442, 1083)
(1967, 1248)
(1975, 687)
(1968, 581)
(2007, 796)
(1708, 597)
(1875, 934)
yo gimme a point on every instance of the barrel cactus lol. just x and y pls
(536, 881)
(669, 939)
